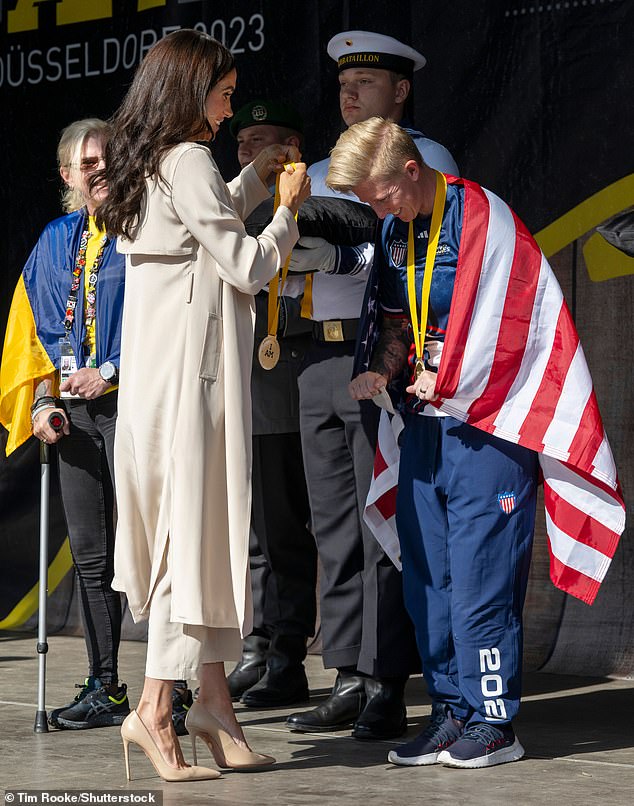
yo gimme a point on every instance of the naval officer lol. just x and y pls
(366, 633)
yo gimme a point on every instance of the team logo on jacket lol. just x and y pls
(398, 250)
(507, 502)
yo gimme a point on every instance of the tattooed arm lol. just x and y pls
(43, 389)
(39, 420)
(388, 361)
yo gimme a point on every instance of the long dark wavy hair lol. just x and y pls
(164, 106)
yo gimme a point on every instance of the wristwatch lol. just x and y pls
(109, 372)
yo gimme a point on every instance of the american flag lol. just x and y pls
(513, 366)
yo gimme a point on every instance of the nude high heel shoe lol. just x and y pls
(133, 730)
(227, 753)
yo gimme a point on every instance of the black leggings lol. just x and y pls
(86, 472)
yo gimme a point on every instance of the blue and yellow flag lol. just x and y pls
(25, 363)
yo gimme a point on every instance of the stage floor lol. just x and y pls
(577, 732)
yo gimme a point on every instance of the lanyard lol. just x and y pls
(80, 265)
(432, 244)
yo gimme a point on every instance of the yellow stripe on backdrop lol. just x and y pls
(603, 261)
(27, 606)
(24, 362)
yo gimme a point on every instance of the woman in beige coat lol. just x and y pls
(182, 451)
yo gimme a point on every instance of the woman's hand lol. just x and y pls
(272, 158)
(424, 386)
(294, 186)
(367, 385)
(42, 430)
(86, 382)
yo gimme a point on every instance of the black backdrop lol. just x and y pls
(532, 103)
(532, 98)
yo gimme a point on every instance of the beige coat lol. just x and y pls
(183, 442)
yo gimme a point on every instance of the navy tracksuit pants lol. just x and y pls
(465, 517)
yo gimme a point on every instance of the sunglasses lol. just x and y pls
(89, 163)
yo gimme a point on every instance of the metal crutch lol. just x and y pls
(56, 421)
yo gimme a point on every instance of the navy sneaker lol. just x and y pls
(443, 730)
(89, 685)
(181, 703)
(483, 745)
(98, 709)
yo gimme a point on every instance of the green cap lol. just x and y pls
(271, 113)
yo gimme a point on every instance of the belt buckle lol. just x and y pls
(333, 330)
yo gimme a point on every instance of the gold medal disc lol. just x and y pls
(269, 352)
(419, 368)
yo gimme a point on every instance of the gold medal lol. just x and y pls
(419, 368)
(269, 352)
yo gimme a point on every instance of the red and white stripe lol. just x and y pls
(380, 505)
(513, 366)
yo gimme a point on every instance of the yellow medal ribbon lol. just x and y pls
(269, 349)
(432, 244)
(306, 309)
(280, 278)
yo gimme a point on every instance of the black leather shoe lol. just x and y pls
(284, 682)
(384, 716)
(251, 668)
(276, 689)
(342, 707)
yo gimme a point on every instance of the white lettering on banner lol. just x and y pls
(110, 46)
(58, 75)
(147, 44)
(86, 59)
(70, 60)
(129, 58)
(492, 685)
(37, 67)
(89, 73)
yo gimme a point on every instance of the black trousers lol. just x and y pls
(262, 588)
(86, 474)
(280, 518)
(363, 618)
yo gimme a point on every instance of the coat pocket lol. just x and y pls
(189, 287)
(212, 346)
